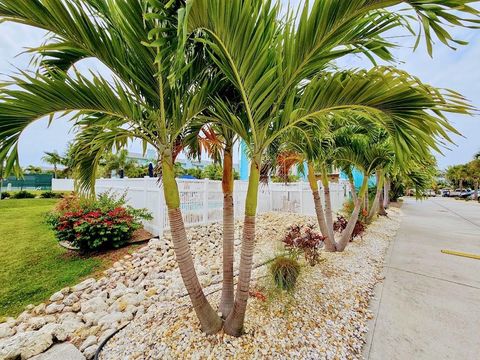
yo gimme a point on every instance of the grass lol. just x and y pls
(33, 265)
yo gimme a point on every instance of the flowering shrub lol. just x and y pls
(300, 238)
(341, 224)
(91, 224)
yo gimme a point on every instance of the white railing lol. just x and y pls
(202, 200)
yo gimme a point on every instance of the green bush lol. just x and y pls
(23, 195)
(5, 195)
(95, 224)
(51, 195)
(285, 271)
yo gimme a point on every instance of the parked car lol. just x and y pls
(430, 193)
(455, 193)
(466, 193)
(446, 193)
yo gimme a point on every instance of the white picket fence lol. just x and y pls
(202, 200)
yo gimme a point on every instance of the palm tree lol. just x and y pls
(157, 85)
(474, 171)
(52, 158)
(368, 150)
(269, 63)
(160, 83)
(32, 169)
(217, 141)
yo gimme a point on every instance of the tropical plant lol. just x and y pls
(289, 55)
(285, 271)
(23, 194)
(102, 223)
(51, 195)
(52, 158)
(217, 140)
(304, 239)
(160, 82)
(474, 171)
(156, 86)
(458, 175)
(32, 169)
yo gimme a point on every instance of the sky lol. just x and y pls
(457, 70)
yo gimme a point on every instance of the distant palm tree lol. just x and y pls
(53, 158)
(32, 169)
(477, 156)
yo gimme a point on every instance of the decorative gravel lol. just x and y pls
(324, 318)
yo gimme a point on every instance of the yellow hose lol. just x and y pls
(458, 253)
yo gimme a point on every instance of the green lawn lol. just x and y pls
(33, 265)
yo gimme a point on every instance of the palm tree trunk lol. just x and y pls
(386, 193)
(227, 299)
(209, 320)
(366, 205)
(234, 322)
(352, 186)
(376, 202)
(347, 233)
(54, 171)
(322, 223)
(328, 204)
(381, 204)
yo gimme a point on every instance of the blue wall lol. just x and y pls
(244, 162)
(358, 178)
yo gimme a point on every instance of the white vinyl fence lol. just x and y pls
(202, 200)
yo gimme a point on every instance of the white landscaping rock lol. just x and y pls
(97, 304)
(84, 285)
(110, 320)
(6, 330)
(128, 299)
(71, 299)
(57, 296)
(65, 351)
(92, 318)
(90, 352)
(119, 291)
(37, 322)
(54, 308)
(39, 309)
(89, 341)
(25, 345)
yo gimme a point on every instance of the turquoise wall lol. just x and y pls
(358, 178)
(244, 162)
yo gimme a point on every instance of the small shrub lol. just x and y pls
(358, 230)
(51, 195)
(5, 195)
(341, 224)
(305, 240)
(94, 224)
(23, 195)
(285, 271)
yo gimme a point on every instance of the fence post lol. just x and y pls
(270, 186)
(300, 191)
(145, 193)
(205, 201)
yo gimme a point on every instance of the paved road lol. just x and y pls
(428, 307)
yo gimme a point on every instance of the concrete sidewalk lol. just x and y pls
(428, 306)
